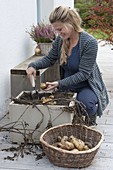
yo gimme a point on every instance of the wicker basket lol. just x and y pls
(64, 158)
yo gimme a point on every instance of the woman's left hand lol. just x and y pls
(51, 85)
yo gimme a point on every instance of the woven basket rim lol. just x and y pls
(66, 151)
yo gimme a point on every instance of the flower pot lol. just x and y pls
(45, 48)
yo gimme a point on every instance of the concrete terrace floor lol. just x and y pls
(104, 157)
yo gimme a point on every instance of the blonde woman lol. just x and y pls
(76, 52)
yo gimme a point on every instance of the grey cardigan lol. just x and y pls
(88, 68)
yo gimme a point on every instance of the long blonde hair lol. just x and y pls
(66, 15)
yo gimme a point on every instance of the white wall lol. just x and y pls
(69, 3)
(15, 45)
(46, 6)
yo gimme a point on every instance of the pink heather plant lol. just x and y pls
(42, 33)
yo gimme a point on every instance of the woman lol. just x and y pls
(76, 52)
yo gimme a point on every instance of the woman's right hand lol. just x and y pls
(31, 71)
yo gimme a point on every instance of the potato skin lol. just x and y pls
(71, 143)
(43, 86)
(79, 144)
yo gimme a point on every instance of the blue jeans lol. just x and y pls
(89, 99)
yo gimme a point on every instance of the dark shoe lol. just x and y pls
(90, 120)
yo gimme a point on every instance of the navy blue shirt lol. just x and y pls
(71, 67)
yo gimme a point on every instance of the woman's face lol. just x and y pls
(65, 30)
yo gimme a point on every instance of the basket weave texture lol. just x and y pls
(64, 158)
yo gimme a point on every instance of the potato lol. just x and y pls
(51, 96)
(64, 143)
(59, 138)
(43, 86)
(79, 144)
(74, 151)
(60, 145)
(86, 147)
(64, 139)
(69, 145)
(45, 100)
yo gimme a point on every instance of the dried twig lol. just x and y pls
(29, 145)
